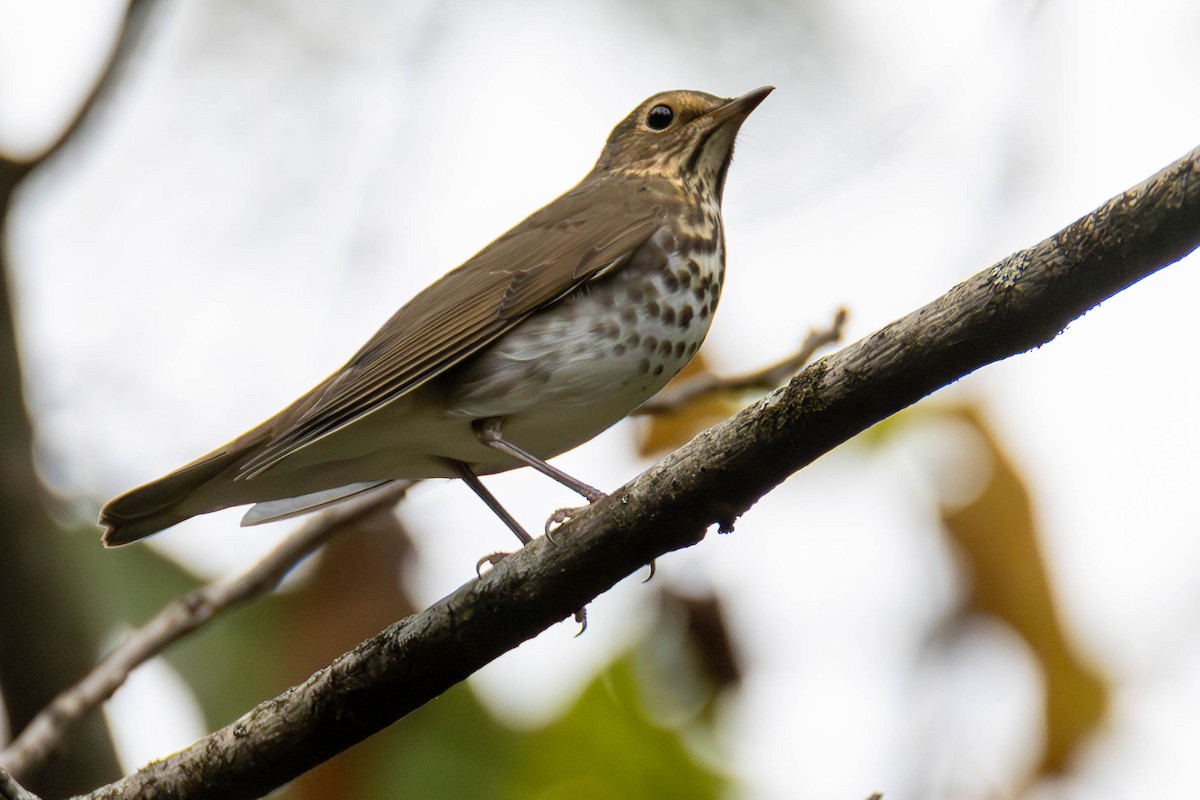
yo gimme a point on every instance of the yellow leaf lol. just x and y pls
(662, 433)
(998, 534)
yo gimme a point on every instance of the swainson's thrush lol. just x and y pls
(545, 338)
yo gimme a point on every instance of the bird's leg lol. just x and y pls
(488, 431)
(471, 479)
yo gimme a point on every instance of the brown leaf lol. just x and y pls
(662, 433)
(998, 534)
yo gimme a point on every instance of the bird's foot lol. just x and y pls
(561, 515)
(491, 559)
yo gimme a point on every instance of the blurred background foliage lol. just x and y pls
(985, 685)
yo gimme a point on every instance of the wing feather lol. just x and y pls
(584, 233)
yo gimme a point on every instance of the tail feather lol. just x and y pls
(158, 505)
(288, 507)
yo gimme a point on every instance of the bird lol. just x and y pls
(545, 338)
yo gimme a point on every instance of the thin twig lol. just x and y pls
(180, 617)
(11, 790)
(674, 398)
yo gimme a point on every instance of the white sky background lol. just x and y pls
(276, 178)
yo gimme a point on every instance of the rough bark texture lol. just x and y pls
(1021, 302)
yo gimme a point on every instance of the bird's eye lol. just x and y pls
(659, 118)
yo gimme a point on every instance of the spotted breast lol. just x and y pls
(578, 367)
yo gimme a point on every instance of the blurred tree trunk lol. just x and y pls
(45, 644)
(45, 641)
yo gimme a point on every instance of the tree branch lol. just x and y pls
(11, 790)
(1019, 303)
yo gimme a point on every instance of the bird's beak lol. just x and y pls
(739, 108)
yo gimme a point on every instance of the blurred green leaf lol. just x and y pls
(605, 747)
(602, 748)
(132, 583)
(224, 662)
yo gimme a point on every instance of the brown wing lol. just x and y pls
(591, 229)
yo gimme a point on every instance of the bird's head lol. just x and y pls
(679, 135)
